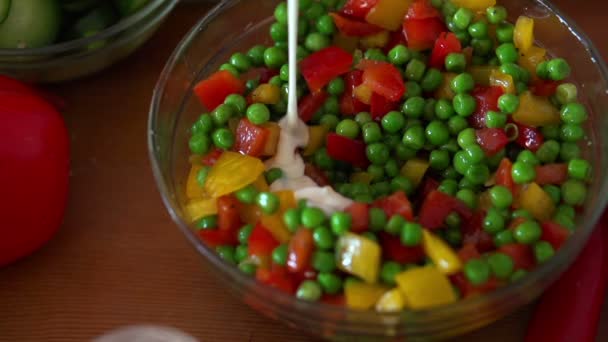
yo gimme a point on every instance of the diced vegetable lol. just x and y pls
(323, 66)
(359, 256)
(362, 296)
(425, 287)
(388, 14)
(536, 201)
(226, 175)
(535, 111)
(523, 35)
(391, 301)
(442, 255)
(200, 208)
(213, 91)
(414, 170)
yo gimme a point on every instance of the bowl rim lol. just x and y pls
(122, 25)
(365, 319)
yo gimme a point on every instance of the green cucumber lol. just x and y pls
(128, 7)
(5, 5)
(30, 24)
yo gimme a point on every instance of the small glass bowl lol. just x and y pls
(174, 109)
(81, 57)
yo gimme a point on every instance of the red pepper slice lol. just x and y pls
(437, 206)
(492, 140)
(310, 104)
(529, 137)
(522, 255)
(354, 28)
(276, 277)
(395, 38)
(359, 213)
(384, 79)
(487, 99)
(323, 66)
(211, 158)
(266, 74)
(544, 87)
(393, 249)
(300, 250)
(261, 242)
(216, 237)
(503, 174)
(358, 8)
(250, 139)
(421, 34)
(555, 234)
(467, 252)
(396, 204)
(551, 174)
(349, 104)
(213, 91)
(473, 233)
(446, 44)
(347, 150)
(228, 218)
(422, 9)
(380, 106)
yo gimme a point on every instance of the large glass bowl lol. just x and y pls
(81, 57)
(237, 25)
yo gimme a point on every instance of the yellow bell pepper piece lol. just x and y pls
(199, 208)
(316, 139)
(523, 34)
(359, 256)
(425, 287)
(377, 40)
(442, 255)
(266, 93)
(362, 296)
(414, 170)
(193, 189)
(260, 184)
(274, 223)
(505, 81)
(270, 148)
(532, 58)
(388, 14)
(363, 93)
(231, 172)
(391, 301)
(445, 89)
(475, 5)
(481, 73)
(250, 213)
(537, 202)
(536, 111)
(361, 177)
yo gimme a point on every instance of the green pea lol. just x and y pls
(326, 25)
(222, 114)
(527, 232)
(415, 70)
(464, 104)
(558, 69)
(523, 213)
(573, 113)
(501, 197)
(504, 237)
(439, 159)
(330, 121)
(566, 93)
(363, 117)
(340, 222)
(403, 152)
(523, 172)
(493, 222)
(432, 80)
(323, 160)
(268, 202)
(463, 18)
(579, 169)
(554, 192)
(309, 290)
(496, 14)
(504, 33)
(329, 282)
(377, 153)
(393, 122)
(414, 138)
(482, 47)
(256, 55)
(411, 234)
(572, 133)
(507, 53)
(247, 194)
(569, 151)
(502, 265)
(274, 57)
(413, 89)
(477, 174)
(389, 271)
(226, 253)
(223, 138)
(543, 251)
(413, 107)
(258, 113)
(448, 186)
(495, 119)
(574, 192)
(291, 217)
(279, 255)
(199, 144)
(478, 30)
(247, 267)
(377, 219)
(375, 55)
(548, 151)
(348, 128)
(391, 168)
(508, 103)
(230, 68)
(437, 133)
(208, 222)
(401, 183)
(477, 271)
(468, 196)
(462, 83)
(316, 41)
(399, 55)
(474, 154)
(444, 109)
(461, 162)
(448, 9)
(278, 32)
(394, 225)
(455, 62)
(323, 261)
(312, 217)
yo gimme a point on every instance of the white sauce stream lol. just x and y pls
(294, 134)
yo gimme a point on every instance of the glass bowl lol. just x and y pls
(81, 57)
(173, 109)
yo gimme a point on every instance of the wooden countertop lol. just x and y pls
(119, 259)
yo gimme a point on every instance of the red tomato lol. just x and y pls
(437, 206)
(359, 213)
(276, 277)
(446, 44)
(34, 172)
(300, 250)
(422, 33)
(358, 8)
(396, 204)
(522, 255)
(323, 66)
(555, 234)
(487, 99)
(492, 140)
(211, 158)
(380, 106)
(310, 104)
(213, 91)
(529, 137)
(347, 150)
(551, 174)
(250, 139)
(473, 233)
(228, 218)
(503, 174)
(467, 252)
(349, 104)
(261, 242)
(393, 249)
(353, 27)
(216, 237)
(544, 87)
(422, 9)
(384, 79)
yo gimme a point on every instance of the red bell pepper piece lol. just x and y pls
(250, 139)
(555, 234)
(522, 255)
(323, 66)
(395, 38)
(529, 137)
(300, 250)
(353, 27)
(216, 237)
(544, 87)
(467, 252)
(492, 140)
(213, 91)
(310, 104)
(570, 309)
(228, 218)
(437, 206)
(359, 213)
(276, 277)
(347, 150)
(384, 79)
(429, 185)
(503, 174)
(261, 242)
(551, 174)
(349, 104)
(422, 9)
(380, 106)
(421, 34)
(393, 249)
(396, 204)
(358, 8)
(487, 99)
(446, 44)
(473, 233)
(266, 74)
(211, 158)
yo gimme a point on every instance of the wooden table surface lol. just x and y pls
(119, 259)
